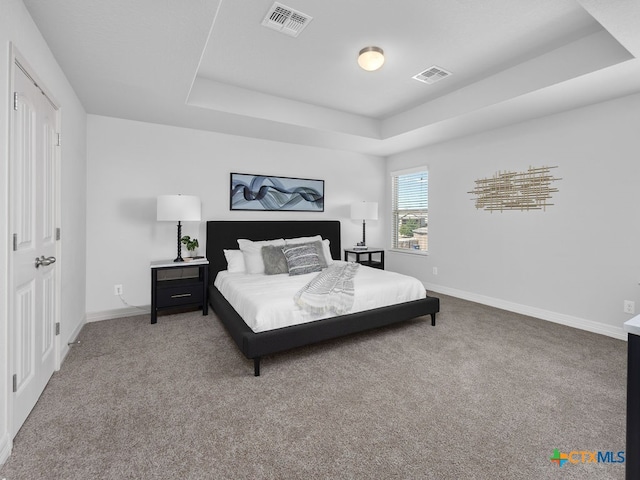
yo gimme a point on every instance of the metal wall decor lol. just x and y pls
(530, 190)
(263, 192)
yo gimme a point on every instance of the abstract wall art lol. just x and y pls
(285, 194)
(530, 190)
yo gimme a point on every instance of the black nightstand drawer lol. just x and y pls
(179, 284)
(179, 295)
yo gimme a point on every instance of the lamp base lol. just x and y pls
(179, 257)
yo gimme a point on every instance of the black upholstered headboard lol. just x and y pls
(223, 235)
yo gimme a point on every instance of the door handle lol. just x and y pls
(45, 261)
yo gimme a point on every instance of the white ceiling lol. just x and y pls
(209, 64)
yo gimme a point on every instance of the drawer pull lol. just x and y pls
(180, 295)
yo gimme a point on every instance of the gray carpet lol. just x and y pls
(485, 394)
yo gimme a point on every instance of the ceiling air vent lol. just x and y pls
(432, 75)
(286, 20)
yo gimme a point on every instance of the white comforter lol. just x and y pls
(265, 302)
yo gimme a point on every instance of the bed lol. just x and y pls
(223, 234)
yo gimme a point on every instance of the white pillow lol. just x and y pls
(297, 240)
(235, 261)
(326, 250)
(252, 252)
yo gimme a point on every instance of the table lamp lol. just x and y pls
(364, 211)
(180, 208)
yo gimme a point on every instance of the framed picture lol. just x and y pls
(285, 194)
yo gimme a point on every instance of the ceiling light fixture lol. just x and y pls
(371, 58)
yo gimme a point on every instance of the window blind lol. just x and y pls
(410, 210)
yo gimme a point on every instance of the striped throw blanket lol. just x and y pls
(331, 291)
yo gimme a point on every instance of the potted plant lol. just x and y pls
(191, 244)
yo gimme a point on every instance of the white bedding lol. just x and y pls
(265, 302)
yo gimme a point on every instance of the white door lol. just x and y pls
(33, 224)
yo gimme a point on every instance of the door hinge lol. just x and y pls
(15, 383)
(15, 242)
(58, 328)
(59, 140)
(58, 233)
(15, 100)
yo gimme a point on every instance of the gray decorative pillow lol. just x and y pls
(274, 260)
(319, 250)
(302, 259)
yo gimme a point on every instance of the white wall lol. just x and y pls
(131, 163)
(17, 27)
(574, 263)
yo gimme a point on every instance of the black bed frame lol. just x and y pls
(223, 234)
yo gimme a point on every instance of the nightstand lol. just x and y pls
(179, 284)
(367, 256)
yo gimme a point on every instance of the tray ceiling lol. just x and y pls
(212, 65)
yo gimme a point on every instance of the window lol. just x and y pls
(410, 210)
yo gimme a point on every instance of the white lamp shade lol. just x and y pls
(364, 211)
(184, 208)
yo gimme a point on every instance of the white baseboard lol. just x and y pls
(64, 350)
(5, 447)
(76, 332)
(117, 313)
(562, 319)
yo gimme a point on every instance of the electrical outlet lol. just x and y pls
(117, 289)
(435, 270)
(629, 307)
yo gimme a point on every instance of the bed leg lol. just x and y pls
(256, 367)
(433, 319)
